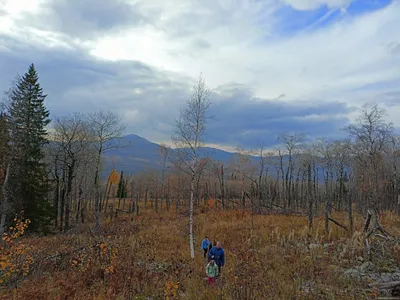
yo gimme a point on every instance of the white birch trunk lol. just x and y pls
(191, 212)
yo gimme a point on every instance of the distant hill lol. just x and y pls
(138, 154)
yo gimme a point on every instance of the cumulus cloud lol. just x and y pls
(140, 59)
(248, 121)
(85, 18)
(148, 100)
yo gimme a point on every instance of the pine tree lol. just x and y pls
(29, 117)
(4, 146)
(125, 188)
(121, 186)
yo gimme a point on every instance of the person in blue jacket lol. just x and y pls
(204, 245)
(212, 245)
(217, 253)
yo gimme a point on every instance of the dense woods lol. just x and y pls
(52, 172)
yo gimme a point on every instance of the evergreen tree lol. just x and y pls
(4, 146)
(121, 186)
(28, 118)
(125, 188)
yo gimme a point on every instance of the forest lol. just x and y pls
(307, 219)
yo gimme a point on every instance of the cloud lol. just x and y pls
(148, 100)
(86, 18)
(250, 122)
(273, 65)
(314, 4)
(314, 64)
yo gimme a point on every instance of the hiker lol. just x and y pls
(218, 255)
(209, 249)
(205, 245)
(211, 245)
(211, 271)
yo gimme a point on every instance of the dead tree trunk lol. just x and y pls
(79, 205)
(70, 177)
(222, 186)
(310, 200)
(6, 205)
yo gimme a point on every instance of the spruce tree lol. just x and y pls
(29, 117)
(121, 186)
(4, 146)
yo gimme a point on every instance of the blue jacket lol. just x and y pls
(205, 243)
(219, 255)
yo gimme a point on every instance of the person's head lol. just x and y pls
(219, 246)
(212, 262)
(214, 243)
(206, 238)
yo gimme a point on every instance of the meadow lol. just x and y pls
(147, 257)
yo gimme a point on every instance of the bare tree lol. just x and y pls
(308, 160)
(107, 130)
(163, 153)
(292, 144)
(72, 138)
(219, 172)
(189, 134)
(371, 136)
(341, 154)
(241, 165)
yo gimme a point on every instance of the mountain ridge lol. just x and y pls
(137, 154)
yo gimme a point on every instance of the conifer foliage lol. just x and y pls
(121, 191)
(28, 118)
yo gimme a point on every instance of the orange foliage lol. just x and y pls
(147, 256)
(15, 262)
(211, 203)
(114, 177)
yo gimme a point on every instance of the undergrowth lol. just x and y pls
(137, 257)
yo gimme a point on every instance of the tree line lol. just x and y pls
(53, 171)
(298, 176)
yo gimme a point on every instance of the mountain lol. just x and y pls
(137, 154)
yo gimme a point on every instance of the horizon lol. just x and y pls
(273, 66)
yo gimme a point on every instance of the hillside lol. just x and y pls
(276, 258)
(138, 154)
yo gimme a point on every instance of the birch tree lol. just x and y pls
(163, 154)
(188, 138)
(292, 143)
(107, 129)
(71, 136)
(372, 136)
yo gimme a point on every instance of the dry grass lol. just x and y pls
(274, 260)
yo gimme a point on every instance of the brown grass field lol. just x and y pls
(148, 257)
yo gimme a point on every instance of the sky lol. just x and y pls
(302, 66)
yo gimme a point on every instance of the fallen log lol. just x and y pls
(337, 223)
(367, 221)
(386, 285)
